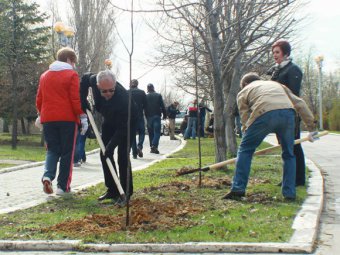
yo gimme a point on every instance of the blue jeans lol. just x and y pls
(80, 148)
(141, 136)
(191, 128)
(60, 138)
(154, 130)
(281, 122)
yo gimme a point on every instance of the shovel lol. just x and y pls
(233, 160)
(108, 161)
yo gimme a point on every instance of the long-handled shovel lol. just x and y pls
(233, 160)
(108, 161)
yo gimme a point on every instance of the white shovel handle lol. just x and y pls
(102, 147)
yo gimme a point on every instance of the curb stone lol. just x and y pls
(305, 228)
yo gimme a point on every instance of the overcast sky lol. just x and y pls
(320, 32)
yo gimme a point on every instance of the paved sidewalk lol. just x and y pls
(21, 188)
(325, 153)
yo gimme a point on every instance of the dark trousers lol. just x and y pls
(300, 159)
(60, 138)
(123, 158)
(140, 129)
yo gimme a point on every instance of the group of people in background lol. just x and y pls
(61, 102)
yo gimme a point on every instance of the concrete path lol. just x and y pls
(325, 153)
(20, 186)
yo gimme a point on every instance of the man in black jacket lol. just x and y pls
(172, 112)
(154, 109)
(139, 97)
(112, 101)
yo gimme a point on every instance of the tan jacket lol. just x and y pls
(261, 96)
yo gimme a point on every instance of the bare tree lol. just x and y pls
(232, 38)
(93, 21)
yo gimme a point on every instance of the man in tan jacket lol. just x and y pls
(267, 107)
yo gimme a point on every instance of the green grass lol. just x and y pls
(197, 213)
(29, 148)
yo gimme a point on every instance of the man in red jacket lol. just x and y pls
(58, 104)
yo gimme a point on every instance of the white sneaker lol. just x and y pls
(47, 185)
(61, 192)
(77, 164)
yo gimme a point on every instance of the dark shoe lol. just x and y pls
(134, 156)
(234, 195)
(299, 184)
(139, 152)
(106, 195)
(289, 199)
(154, 150)
(296, 185)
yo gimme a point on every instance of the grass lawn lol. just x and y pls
(166, 208)
(29, 148)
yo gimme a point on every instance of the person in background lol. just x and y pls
(139, 97)
(154, 109)
(203, 109)
(192, 121)
(184, 124)
(59, 107)
(210, 128)
(267, 107)
(290, 75)
(79, 154)
(172, 111)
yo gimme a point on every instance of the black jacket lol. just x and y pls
(172, 111)
(139, 97)
(290, 75)
(114, 111)
(154, 105)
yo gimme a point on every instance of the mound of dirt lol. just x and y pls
(146, 214)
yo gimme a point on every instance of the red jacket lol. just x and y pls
(58, 97)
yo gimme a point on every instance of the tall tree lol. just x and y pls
(93, 21)
(23, 45)
(232, 38)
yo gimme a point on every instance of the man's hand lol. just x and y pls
(84, 124)
(311, 136)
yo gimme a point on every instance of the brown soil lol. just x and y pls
(146, 214)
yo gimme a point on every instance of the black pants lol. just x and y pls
(300, 159)
(123, 158)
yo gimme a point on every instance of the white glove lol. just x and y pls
(311, 136)
(84, 124)
(38, 123)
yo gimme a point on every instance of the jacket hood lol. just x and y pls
(60, 66)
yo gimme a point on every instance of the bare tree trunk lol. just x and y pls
(14, 110)
(220, 142)
(6, 125)
(23, 127)
(231, 106)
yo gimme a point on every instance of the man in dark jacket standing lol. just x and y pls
(139, 97)
(172, 111)
(154, 109)
(112, 101)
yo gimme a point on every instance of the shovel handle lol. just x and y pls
(102, 147)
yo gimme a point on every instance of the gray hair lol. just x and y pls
(104, 75)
